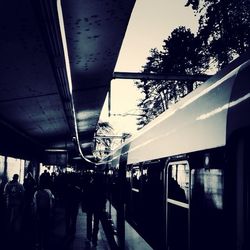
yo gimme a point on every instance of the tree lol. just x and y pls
(102, 143)
(224, 26)
(147, 87)
(105, 140)
(182, 54)
(193, 3)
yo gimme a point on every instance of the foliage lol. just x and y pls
(105, 140)
(102, 143)
(181, 46)
(224, 26)
(193, 3)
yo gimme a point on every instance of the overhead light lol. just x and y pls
(77, 158)
(55, 150)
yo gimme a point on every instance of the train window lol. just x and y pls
(151, 172)
(128, 174)
(136, 174)
(178, 184)
(208, 183)
(144, 171)
(2, 159)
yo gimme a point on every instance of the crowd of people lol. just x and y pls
(31, 206)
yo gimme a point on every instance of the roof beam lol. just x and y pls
(109, 136)
(154, 76)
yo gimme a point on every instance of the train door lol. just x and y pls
(247, 195)
(177, 207)
(243, 192)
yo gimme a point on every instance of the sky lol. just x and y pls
(151, 22)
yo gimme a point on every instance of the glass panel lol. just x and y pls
(178, 182)
(208, 183)
(136, 174)
(1, 165)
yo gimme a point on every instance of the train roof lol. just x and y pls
(199, 121)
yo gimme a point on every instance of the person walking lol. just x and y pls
(72, 198)
(14, 193)
(43, 204)
(30, 188)
(95, 205)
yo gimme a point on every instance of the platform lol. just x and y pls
(58, 240)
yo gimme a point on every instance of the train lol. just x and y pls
(183, 181)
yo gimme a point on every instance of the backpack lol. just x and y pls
(43, 200)
(13, 191)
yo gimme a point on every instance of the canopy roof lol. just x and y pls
(46, 46)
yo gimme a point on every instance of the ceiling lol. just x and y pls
(45, 46)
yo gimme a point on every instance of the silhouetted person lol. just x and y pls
(46, 178)
(14, 193)
(95, 205)
(3, 218)
(43, 205)
(28, 220)
(175, 191)
(72, 197)
(29, 186)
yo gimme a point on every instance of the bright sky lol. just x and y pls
(151, 22)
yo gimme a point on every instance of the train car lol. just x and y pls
(183, 182)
